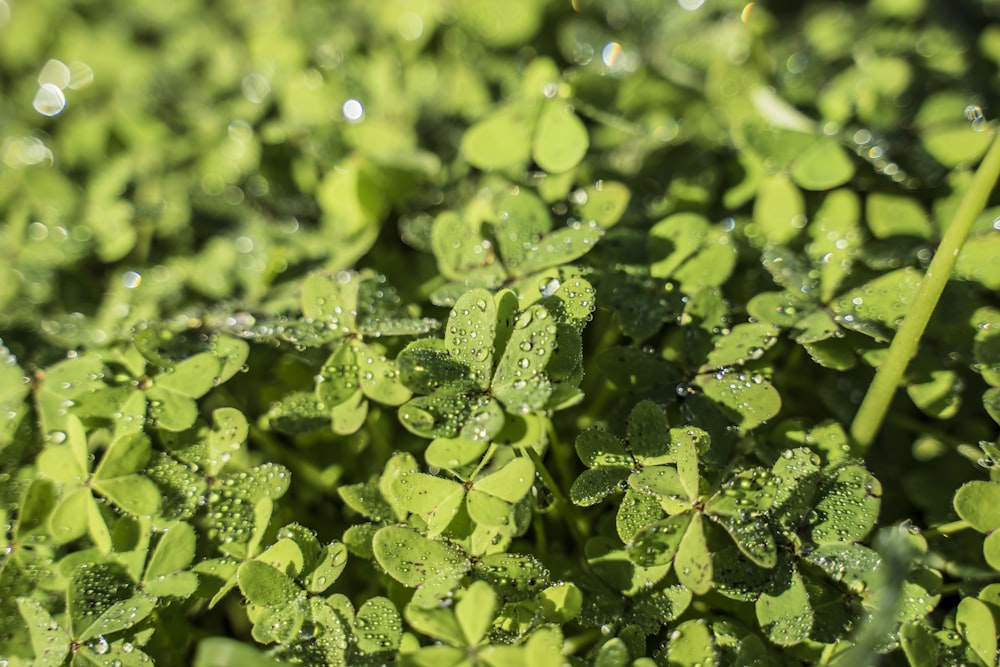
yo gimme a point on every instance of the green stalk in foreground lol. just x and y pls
(873, 408)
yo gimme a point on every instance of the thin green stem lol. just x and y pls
(946, 528)
(609, 119)
(559, 453)
(875, 405)
(562, 504)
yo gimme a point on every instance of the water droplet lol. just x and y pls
(49, 100)
(353, 110)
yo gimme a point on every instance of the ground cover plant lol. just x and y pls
(445, 332)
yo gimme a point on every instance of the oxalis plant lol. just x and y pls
(542, 333)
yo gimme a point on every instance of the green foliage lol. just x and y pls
(454, 333)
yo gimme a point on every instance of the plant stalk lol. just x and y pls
(561, 502)
(875, 405)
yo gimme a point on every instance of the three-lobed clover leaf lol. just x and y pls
(534, 126)
(283, 584)
(738, 505)
(492, 361)
(818, 515)
(164, 376)
(340, 311)
(490, 501)
(118, 477)
(101, 601)
(512, 243)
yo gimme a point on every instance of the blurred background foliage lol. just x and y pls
(183, 166)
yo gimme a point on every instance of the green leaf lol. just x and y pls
(503, 138)
(893, 215)
(596, 447)
(744, 342)
(919, 645)
(174, 551)
(436, 500)
(613, 653)
(426, 365)
(519, 382)
(593, 486)
(224, 652)
(49, 641)
(522, 220)
(454, 453)
(691, 644)
(193, 377)
(412, 559)
(977, 262)
(822, 166)
(779, 209)
(561, 603)
(101, 600)
(475, 610)
(991, 550)
(878, 307)
(124, 456)
(470, 333)
(562, 246)
(784, 611)
(170, 410)
(657, 543)
(636, 511)
(338, 378)
(285, 555)
(560, 139)
(604, 202)
(848, 505)
(649, 437)
(686, 248)
(443, 415)
(665, 483)
(854, 565)
(975, 622)
(946, 133)
(265, 585)
(511, 483)
(331, 563)
(693, 562)
(379, 377)
(377, 626)
(979, 504)
(836, 238)
(753, 537)
(749, 400)
(229, 431)
(65, 524)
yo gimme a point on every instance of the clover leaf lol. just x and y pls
(491, 362)
(281, 583)
(489, 500)
(102, 600)
(117, 477)
(509, 240)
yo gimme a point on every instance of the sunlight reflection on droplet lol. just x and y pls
(131, 279)
(55, 72)
(4, 13)
(49, 100)
(974, 114)
(24, 151)
(255, 87)
(690, 5)
(81, 75)
(410, 26)
(38, 231)
(353, 110)
(611, 53)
